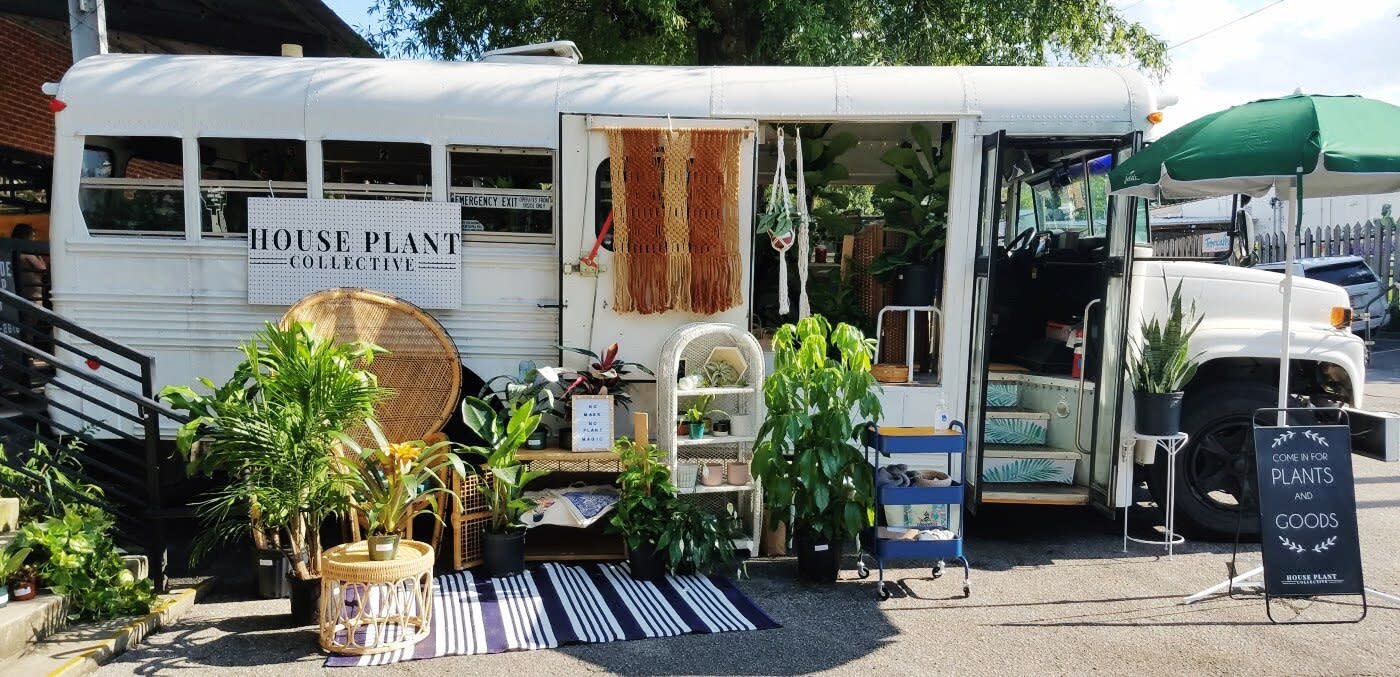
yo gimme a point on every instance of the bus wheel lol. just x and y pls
(1215, 479)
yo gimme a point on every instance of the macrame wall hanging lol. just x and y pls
(675, 196)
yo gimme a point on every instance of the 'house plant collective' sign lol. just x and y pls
(412, 250)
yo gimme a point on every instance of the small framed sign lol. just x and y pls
(592, 422)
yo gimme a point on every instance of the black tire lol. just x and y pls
(1215, 471)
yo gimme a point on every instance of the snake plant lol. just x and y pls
(1162, 361)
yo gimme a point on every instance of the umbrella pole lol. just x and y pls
(1290, 243)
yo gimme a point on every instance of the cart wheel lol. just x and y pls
(938, 569)
(862, 571)
(967, 589)
(882, 592)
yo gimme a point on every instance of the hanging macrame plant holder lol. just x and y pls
(783, 232)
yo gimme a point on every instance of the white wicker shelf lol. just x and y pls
(712, 440)
(692, 345)
(734, 390)
(720, 489)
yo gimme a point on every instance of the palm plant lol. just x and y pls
(396, 482)
(1162, 361)
(270, 431)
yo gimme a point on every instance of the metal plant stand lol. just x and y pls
(1172, 444)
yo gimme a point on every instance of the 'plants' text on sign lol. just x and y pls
(1307, 511)
(412, 250)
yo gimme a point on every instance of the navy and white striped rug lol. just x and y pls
(555, 604)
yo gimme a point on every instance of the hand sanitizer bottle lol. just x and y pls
(941, 420)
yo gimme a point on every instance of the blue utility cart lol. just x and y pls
(918, 441)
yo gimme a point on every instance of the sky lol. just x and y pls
(1319, 46)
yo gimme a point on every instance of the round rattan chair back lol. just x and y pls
(420, 366)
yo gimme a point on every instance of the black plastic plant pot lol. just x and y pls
(1158, 414)
(306, 600)
(917, 285)
(645, 563)
(503, 554)
(273, 569)
(817, 562)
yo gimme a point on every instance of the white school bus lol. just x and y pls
(157, 156)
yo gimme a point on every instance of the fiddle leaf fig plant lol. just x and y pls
(821, 399)
(915, 202)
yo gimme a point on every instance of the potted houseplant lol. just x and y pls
(503, 479)
(698, 415)
(915, 205)
(605, 375)
(821, 400)
(22, 583)
(270, 432)
(645, 501)
(394, 483)
(10, 564)
(696, 541)
(528, 383)
(1161, 365)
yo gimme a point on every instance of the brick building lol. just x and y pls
(35, 48)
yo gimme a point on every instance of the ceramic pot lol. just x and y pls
(537, 440)
(741, 425)
(712, 474)
(738, 474)
(685, 475)
(566, 438)
(697, 431)
(306, 600)
(721, 427)
(644, 563)
(682, 428)
(4, 595)
(916, 285)
(383, 547)
(1158, 414)
(23, 588)
(504, 554)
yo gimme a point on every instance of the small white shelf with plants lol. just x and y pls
(709, 440)
(723, 375)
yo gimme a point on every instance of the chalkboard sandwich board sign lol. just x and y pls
(1307, 510)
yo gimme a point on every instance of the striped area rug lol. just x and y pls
(555, 604)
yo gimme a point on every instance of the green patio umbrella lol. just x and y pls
(1324, 145)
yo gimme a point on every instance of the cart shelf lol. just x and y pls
(887, 441)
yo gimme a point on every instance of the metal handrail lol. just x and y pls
(1083, 371)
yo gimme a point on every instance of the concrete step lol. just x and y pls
(83, 648)
(21, 623)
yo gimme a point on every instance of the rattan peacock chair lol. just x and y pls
(420, 366)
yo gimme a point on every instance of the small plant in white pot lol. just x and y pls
(1160, 367)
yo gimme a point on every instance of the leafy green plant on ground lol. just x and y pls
(696, 540)
(821, 399)
(75, 558)
(646, 496)
(45, 478)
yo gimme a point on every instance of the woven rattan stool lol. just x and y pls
(370, 607)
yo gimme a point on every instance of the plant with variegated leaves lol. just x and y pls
(394, 482)
(1162, 361)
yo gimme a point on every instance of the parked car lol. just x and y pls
(1351, 273)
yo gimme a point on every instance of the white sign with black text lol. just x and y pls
(412, 250)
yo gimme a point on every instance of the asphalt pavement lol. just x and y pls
(1053, 593)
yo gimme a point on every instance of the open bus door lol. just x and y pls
(1109, 462)
(989, 211)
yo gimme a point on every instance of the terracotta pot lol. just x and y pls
(712, 475)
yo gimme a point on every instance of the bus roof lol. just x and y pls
(517, 104)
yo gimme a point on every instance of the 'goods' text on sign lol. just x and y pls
(1307, 511)
(412, 250)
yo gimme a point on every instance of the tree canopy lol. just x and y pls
(777, 32)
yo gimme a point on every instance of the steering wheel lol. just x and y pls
(1021, 241)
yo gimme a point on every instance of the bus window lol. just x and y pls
(503, 190)
(233, 170)
(132, 186)
(374, 170)
(1098, 194)
(1025, 210)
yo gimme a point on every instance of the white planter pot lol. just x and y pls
(741, 425)
(1145, 453)
(685, 475)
